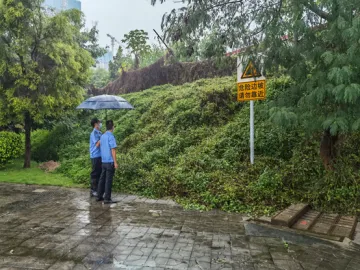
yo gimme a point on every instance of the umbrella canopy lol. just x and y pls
(105, 102)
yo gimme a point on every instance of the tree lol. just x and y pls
(313, 42)
(119, 63)
(43, 68)
(89, 41)
(136, 42)
(185, 51)
(99, 77)
(154, 54)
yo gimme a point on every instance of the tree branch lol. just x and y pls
(314, 8)
(276, 16)
(224, 4)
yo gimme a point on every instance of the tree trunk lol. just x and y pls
(328, 149)
(27, 120)
(137, 62)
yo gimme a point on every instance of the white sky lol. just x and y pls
(118, 17)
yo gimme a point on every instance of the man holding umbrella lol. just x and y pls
(95, 156)
(102, 147)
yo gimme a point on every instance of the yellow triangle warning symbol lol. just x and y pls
(250, 71)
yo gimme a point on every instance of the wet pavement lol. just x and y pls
(57, 228)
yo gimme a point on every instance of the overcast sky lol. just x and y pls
(118, 17)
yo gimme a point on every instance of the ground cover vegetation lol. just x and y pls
(190, 142)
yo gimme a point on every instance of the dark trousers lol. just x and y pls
(106, 179)
(95, 173)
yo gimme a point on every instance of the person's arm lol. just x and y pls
(113, 145)
(113, 153)
(98, 140)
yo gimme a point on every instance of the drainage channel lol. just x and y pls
(301, 218)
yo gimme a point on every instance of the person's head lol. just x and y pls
(110, 125)
(96, 123)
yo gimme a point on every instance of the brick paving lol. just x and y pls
(57, 228)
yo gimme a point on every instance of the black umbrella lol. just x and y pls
(105, 102)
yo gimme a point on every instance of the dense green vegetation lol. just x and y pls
(191, 142)
(11, 147)
(38, 80)
(315, 43)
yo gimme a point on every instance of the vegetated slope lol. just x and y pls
(160, 73)
(191, 142)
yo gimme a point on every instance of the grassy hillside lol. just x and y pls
(190, 142)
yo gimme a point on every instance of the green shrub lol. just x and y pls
(78, 169)
(62, 142)
(42, 150)
(11, 146)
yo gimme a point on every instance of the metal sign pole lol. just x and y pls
(252, 129)
(251, 87)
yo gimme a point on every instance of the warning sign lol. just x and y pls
(251, 71)
(255, 90)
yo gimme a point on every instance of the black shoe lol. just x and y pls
(109, 201)
(99, 199)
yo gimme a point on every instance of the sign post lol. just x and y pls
(252, 132)
(251, 87)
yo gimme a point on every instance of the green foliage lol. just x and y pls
(315, 43)
(185, 51)
(46, 144)
(190, 142)
(153, 55)
(11, 147)
(212, 45)
(89, 41)
(120, 62)
(44, 64)
(99, 77)
(39, 77)
(136, 42)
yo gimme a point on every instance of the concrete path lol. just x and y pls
(57, 228)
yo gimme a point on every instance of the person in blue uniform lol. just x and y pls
(95, 156)
(108, 156)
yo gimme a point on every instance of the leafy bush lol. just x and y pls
(64, 141)
(42, 150)
(11, 146)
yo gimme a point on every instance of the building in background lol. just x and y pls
(59, 5)
(103, 61)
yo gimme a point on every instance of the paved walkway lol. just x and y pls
(56, 228)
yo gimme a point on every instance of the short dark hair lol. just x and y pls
(94, 121)
(109, 124)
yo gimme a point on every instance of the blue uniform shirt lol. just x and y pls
(94, 138)
(107, 142)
